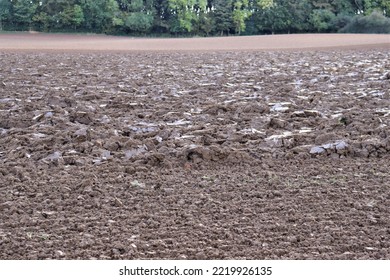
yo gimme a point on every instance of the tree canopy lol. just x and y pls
(195, 17)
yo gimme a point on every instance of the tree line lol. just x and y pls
(196, 17)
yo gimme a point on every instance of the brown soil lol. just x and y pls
(38, 41)
(260, 154)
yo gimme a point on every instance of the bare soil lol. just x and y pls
(174, 154)
(65, 42)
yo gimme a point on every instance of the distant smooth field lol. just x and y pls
(63, 42)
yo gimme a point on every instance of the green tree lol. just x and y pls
(375, 22)
(23, 12)
(5, 6)
(205, 23)
(136, 5)
(54, 15)
(343, 7)
(78, 14)
(340, 21)
(322, 20)
(139, 22)
(42, 21)
(265, 4)
(273, 20)
(283, 17)
(197, 17)
(382, 6)
(385, 6)
(186, 12)
(138, 15)
(162, 16)
(223, 16)
(72, 16)
(322, 5)
(115, 19)
(240, 14)
(368, 6)
(101, 15)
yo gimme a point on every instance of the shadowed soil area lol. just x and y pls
(217, 154)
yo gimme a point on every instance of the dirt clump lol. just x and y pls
(213, 155)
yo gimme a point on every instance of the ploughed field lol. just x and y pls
(206, 155)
